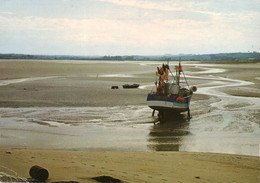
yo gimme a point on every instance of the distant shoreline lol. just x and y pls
(227, 57)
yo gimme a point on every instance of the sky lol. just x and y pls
(129, 27)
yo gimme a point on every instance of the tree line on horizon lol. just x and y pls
(239, 56)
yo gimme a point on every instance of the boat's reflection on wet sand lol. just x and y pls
(167, 135)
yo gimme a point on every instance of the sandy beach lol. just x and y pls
(64, 116)
(134, 166)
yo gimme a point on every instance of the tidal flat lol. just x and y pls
(71, 104)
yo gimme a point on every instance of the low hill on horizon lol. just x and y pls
(238, 56)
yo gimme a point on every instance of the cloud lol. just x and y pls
(173, 6)
(213, 8)
(6, 13)
(157, 28)
(164, 6)
(105, 31)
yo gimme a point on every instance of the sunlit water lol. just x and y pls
(222, 124)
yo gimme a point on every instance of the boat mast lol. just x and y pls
(178, 72)
(168, 63)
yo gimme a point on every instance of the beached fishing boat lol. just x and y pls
(170, 96)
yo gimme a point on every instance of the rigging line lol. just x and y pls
(171, 74)
(10, 176)
(9, 169)
(185, 79)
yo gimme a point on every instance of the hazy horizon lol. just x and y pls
(167, 54)
(129, 27)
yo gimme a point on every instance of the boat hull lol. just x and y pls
(173, 103)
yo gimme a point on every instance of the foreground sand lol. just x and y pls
(134, 166)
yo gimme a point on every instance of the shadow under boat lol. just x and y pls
(168, 135)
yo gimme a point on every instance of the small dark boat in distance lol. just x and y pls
(114, 87)
(131, 86)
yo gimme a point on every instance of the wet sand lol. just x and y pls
(71, 106)
(71, 84)
(41, 83)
